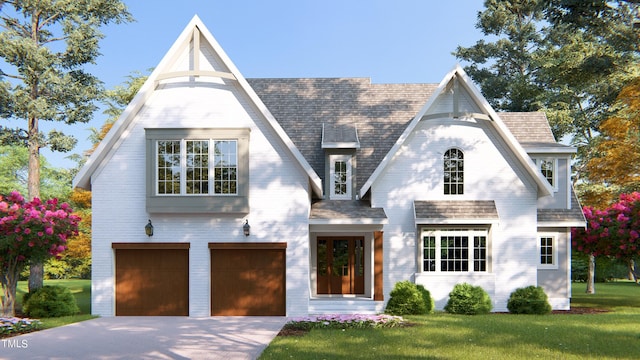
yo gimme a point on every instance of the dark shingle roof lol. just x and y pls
(574, 214)
(342, 209)
(380, 112)
(455, 209)
(528, 127)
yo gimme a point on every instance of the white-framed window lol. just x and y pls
(183, 167)
(197, 170)
(454, 250)
(547, 251)
(340, 177)
(548, 167)
(453, 161)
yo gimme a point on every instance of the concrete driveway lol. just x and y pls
(148, 338)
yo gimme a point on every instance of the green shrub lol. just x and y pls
(426, 296)
(468, 300)
(49, 301)
(529, 300)
(407, 298)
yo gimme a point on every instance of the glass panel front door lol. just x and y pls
(340, 264)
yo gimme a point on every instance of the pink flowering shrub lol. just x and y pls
(614, 231)
(344, 322)
(30, 230)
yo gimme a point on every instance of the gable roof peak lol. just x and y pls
(196, 34)
(459, 77)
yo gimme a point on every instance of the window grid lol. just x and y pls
(454, 172)
(225, 167)
(168, 167)
(429, 253)
(479, 253)
(197, 167)
(546, 250)
(340, 177)
(454, 250)
(191, 158)
(546, 167)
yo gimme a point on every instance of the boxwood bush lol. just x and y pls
(529, 300)
(50, 301)
(407, 298)
(468, 300)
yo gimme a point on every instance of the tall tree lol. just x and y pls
(46, 45)
(616, 156)
(14, 160)
(593, 52)
(506, 69)
(568, 58)
(613, 232)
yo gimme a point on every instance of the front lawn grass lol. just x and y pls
(81, 290)
(611, 335)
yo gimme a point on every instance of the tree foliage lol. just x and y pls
(54, 182)
(564, 57)
(616, 156)
(46, 45)
(613, 232)
(30, 231)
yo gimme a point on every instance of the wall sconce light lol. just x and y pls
(246, 228)
(148, 229)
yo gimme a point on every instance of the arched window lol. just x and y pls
(454, 172)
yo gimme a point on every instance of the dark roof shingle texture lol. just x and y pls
(455, 209)
(380, 112)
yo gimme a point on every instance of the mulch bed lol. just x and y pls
(580, 311)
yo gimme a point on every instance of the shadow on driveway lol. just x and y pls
(163, 337)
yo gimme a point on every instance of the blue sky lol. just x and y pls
(389, 41)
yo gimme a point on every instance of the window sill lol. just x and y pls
(198, 204)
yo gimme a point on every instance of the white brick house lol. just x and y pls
(348, 187)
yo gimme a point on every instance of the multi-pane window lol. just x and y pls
(340, 178)
(168, 166)
(454, 250)
(197, 167)
(548, 169)
(453, 172)
(183, 167)
(546, 250)
(546, 166)
(225, 167)
(340, 175)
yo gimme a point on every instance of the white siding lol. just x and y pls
(491, 173)
(278, 197)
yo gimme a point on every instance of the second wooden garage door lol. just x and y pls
(248, 279)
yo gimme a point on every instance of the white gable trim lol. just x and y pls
(120, 128)
(544, 188)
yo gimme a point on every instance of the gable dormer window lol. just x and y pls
(453, 161)
(340, 174)
(548, 169)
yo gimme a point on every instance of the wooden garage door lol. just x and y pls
(152, 279)
(248, 279)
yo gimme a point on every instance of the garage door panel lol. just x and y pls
(152, 282)
(248, 282)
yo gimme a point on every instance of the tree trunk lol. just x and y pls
(36, 272)
(632, 271)
(591, 276)
(9, 282)
(36, 275)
